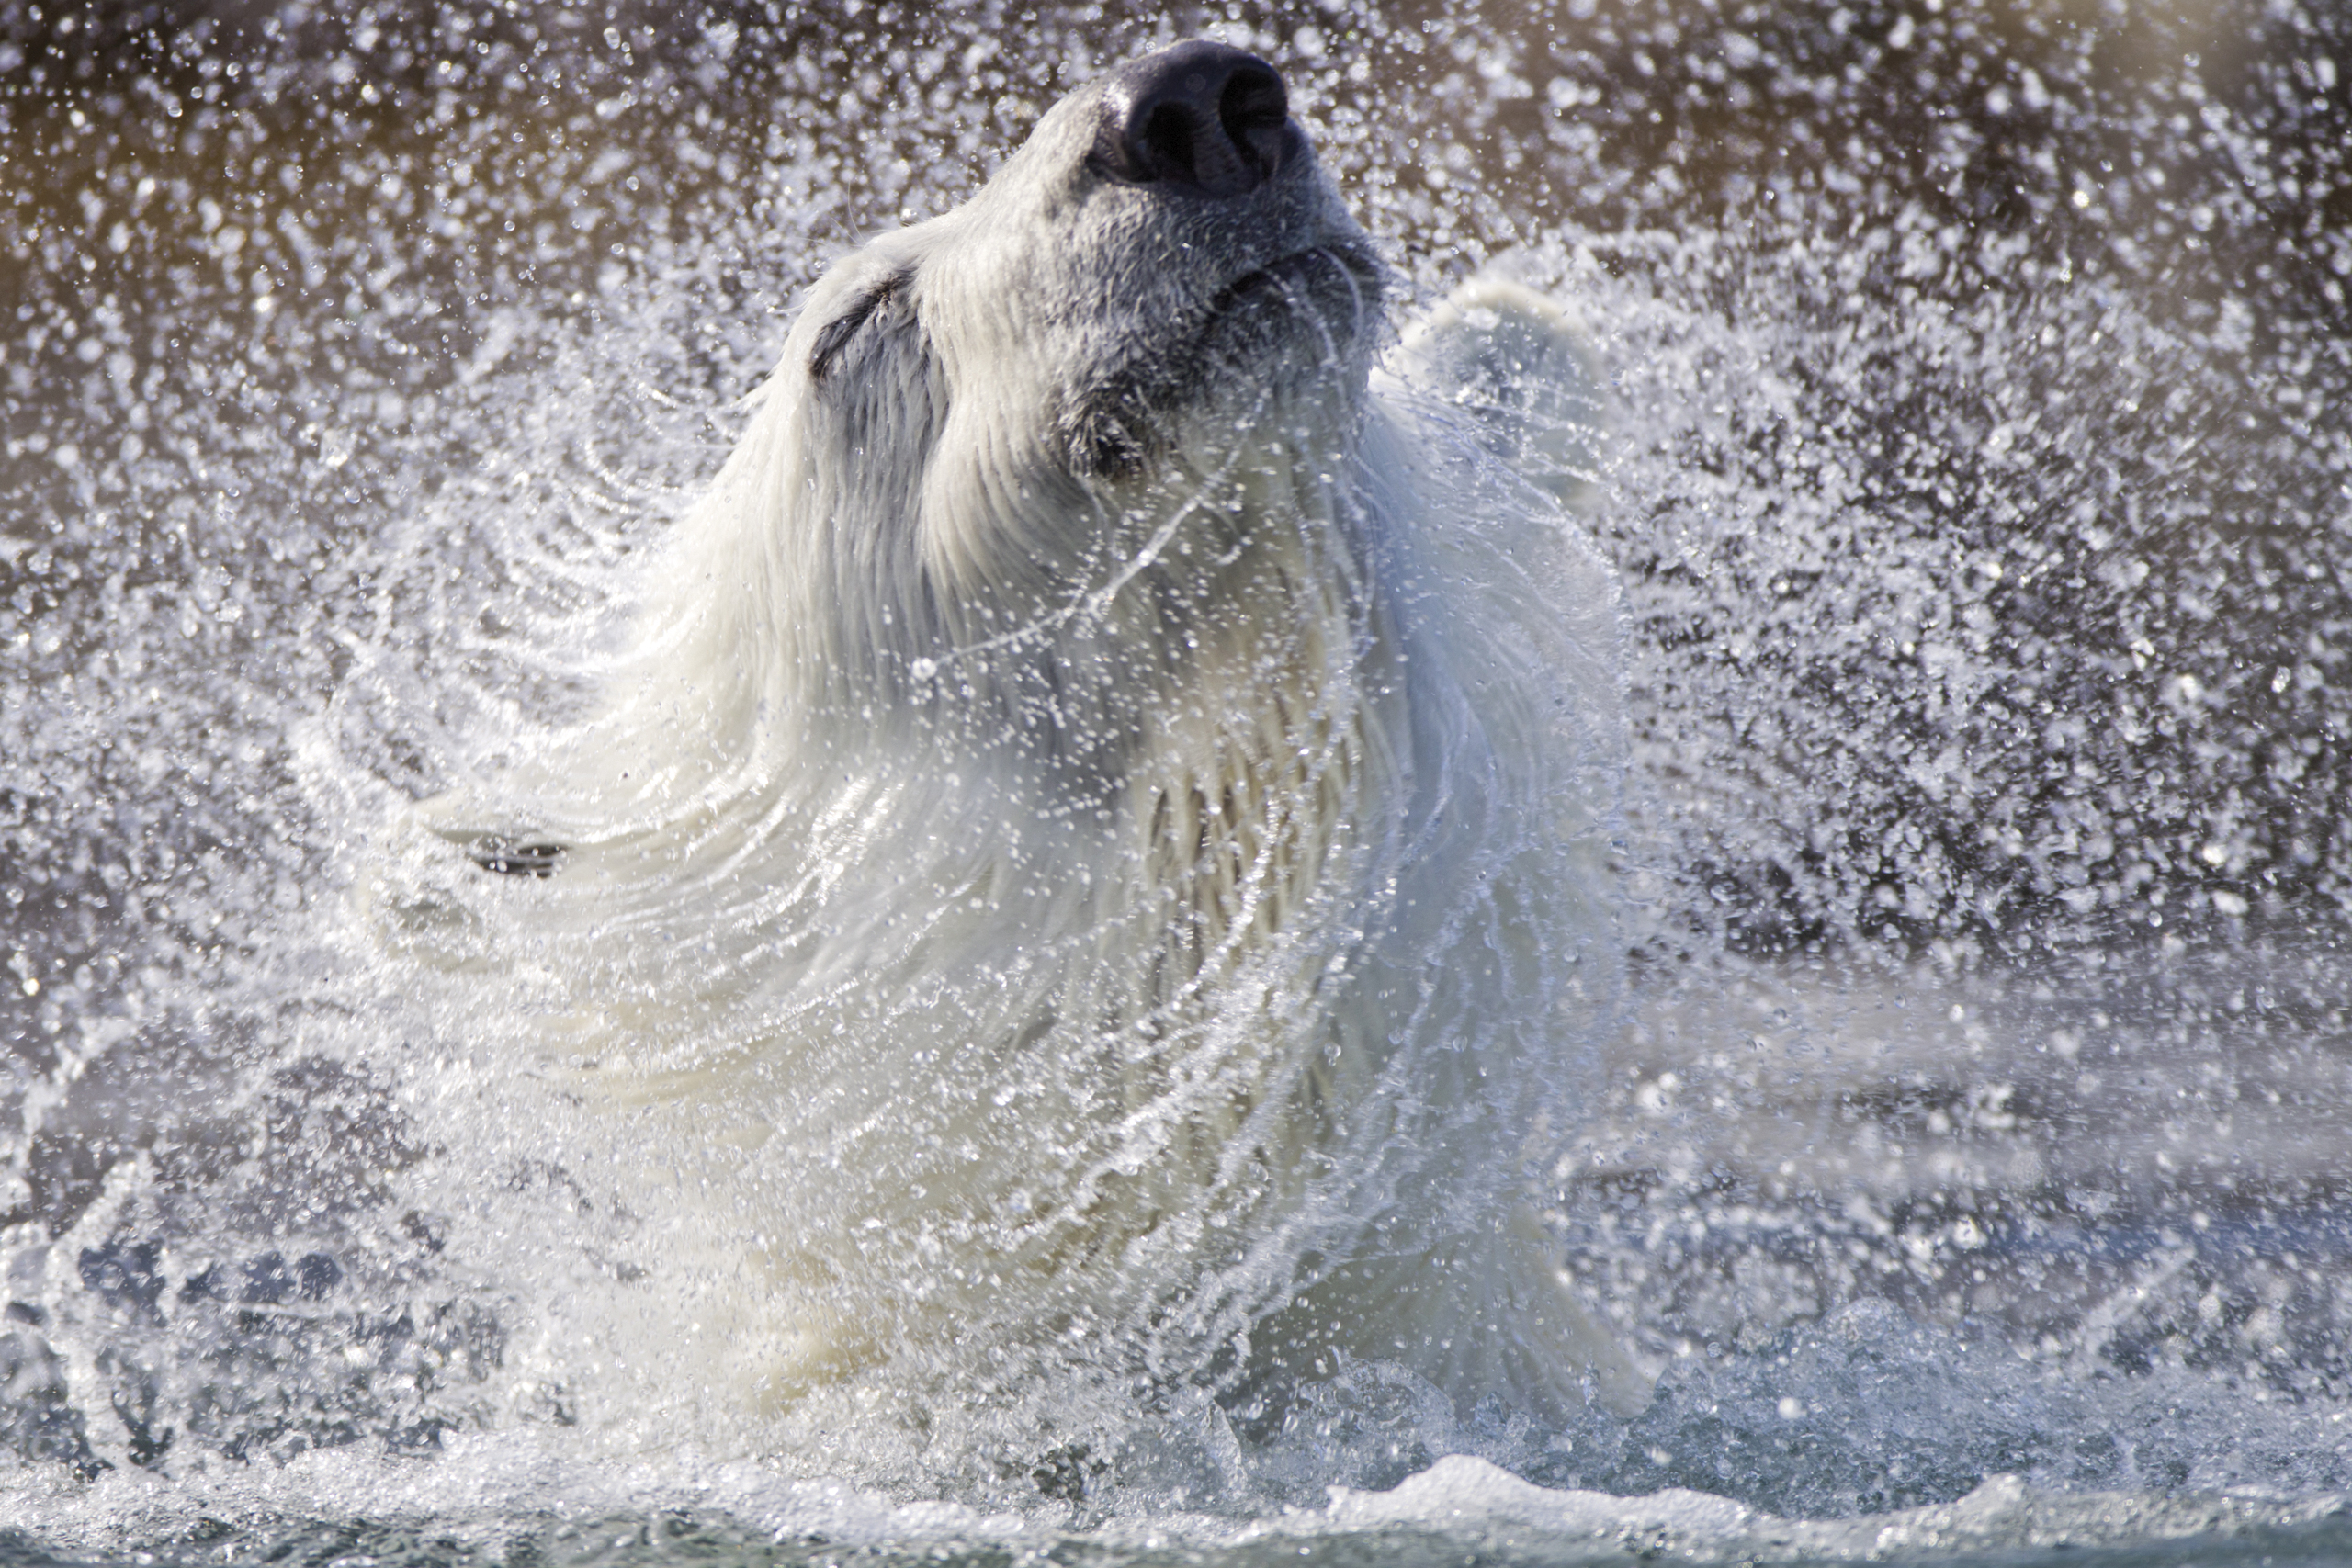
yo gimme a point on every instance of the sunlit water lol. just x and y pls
(1970, 1151)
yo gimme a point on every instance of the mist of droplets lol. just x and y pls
(1978, 475)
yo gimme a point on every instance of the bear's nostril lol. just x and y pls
(1252, 112)
(1170, 139)
(1202, 118)
(1252, 100)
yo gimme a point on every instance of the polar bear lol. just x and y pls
(1091, 856)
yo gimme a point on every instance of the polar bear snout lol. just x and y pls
(1200, 120)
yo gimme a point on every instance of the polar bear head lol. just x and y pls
(991, 432)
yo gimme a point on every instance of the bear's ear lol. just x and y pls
(836, 335)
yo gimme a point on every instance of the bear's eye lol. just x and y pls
(835, 336)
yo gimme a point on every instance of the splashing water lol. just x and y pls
(1968, 1152)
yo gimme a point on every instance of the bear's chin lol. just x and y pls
(1304, 324)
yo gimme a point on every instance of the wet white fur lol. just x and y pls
(1011, 918)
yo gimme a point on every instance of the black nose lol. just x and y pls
(1200, 119)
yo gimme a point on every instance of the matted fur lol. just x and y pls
(1091, 855)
